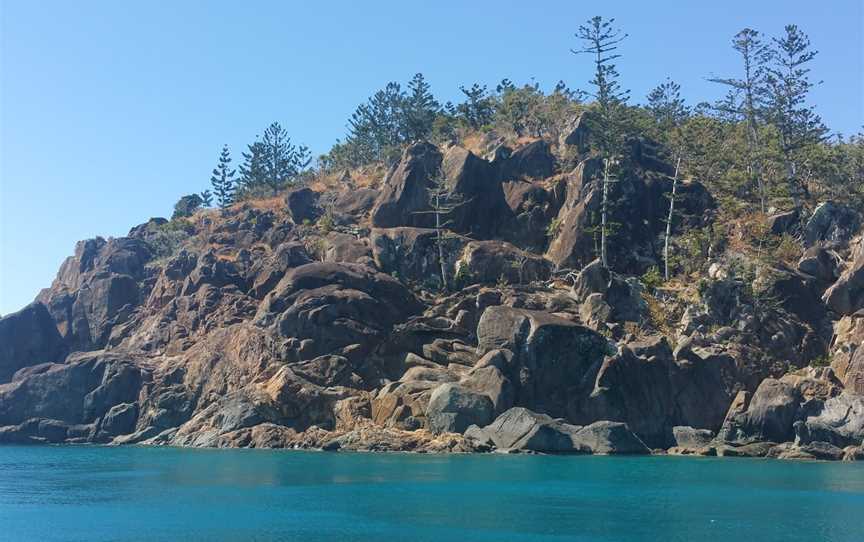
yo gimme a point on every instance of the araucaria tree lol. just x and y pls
(670, 113)
(419, 109)
(273, 162)
(787, 85)
(744, 100)
(478, 108)
(600, 39)
(222, 179)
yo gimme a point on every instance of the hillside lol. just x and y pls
(336, 315)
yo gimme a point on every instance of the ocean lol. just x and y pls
(89, 493)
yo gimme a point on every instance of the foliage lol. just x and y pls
(222, 179)
(186, 206)
(652, 278)
(273, 162)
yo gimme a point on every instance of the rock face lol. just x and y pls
(322, 320)
(28, 337)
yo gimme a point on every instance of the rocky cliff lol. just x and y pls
(318, 320)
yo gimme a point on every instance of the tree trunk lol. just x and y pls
(669, 221)
(603, 212)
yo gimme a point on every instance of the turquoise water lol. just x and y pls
(162, 494)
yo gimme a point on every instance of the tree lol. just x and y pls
(419, 109)
(744, 97)
(282, 160)
(787, 85)
(206, 198)
(252, 169)
(601, 40)
(186, 206)
(477, 109)
(377, 127)
(222, 179)
(669, 113)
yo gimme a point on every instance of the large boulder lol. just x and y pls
(551, 355)
(523, 430)
(453, 408)
(404, 198)
(324, 308)
(303, 205)
(481, 208)
(534, 160)
(413, 253)
(769, 416)
(493, 261)
(533, 206)
(832, 225)
(28, 337)
(839, 421)
(605, 437)
(846, 296)
(80, 391)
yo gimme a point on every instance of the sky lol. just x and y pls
(109, 111)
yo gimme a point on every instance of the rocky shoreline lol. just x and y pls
(317, 320)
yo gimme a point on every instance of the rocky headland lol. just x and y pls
(318, 320)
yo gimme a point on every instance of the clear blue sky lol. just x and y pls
(111, 110)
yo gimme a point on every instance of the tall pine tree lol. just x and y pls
(787, 86)
(600, 40)
(419, 109)
(744, 98)
(222, 179)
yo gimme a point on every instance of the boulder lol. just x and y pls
(302, 204)
(551, 355)
(691, 438)
(839, 421)
(520, 429)
(493, 261)
(324, 308)
(831, 225)
(403, 199)
(578, 134)
(534, 160)
(453, 408)
(412, 253)
(846, 296)
(783, 223)
(355, 203)
(769, 416)
(28, 337)
(605, 437)
(481, 207)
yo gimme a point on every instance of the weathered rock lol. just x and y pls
(404, 196)
(551, 355)
(481, 208)
(303, 205)
(769, 416)
(839, 421)
(606, 437)
(492, 261)
(846, 296)
(520, 429)
(783, 223)
(688, 437)
(453, 408)
(831, 225)
(412, 253)
(534, 160)
(28, 337)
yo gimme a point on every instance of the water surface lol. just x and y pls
(161, 494)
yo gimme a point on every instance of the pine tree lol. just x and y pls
(477, 109)
(282, 161)
(222, 179)
(786, 90)
(670, 113)
(601, 40)
(419, 109)
(252, 169)
(744, 98)
(377, 127)
(206, 198)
